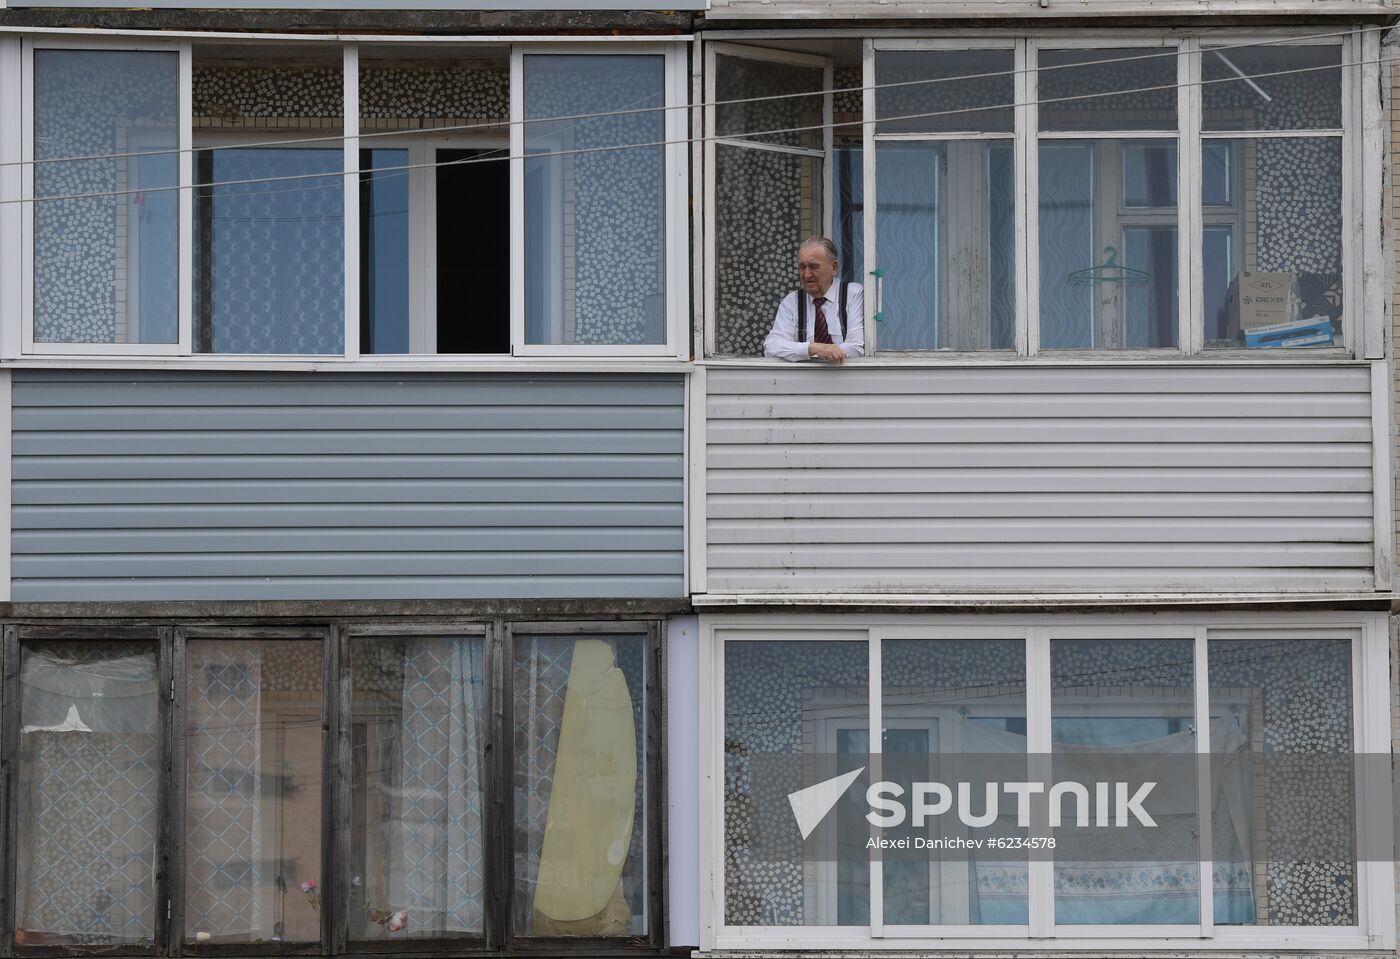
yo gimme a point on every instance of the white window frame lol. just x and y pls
(674, 203)
(747, 51)
(17, 113)
(1369, 634)
(422, 225)
(1364, 264)
(28, 344)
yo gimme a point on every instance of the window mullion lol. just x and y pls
(175, 775)
(350, 87)
(1027, 200)
(1041, 870)
(1204, 827)
(9, 762)
(1191, 316)
(876, 740)
(499, 813)
(871, 201)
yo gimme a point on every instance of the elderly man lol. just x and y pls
(814, 322)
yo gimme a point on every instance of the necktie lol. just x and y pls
(820, 332)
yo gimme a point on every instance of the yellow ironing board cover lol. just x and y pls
(588, 829)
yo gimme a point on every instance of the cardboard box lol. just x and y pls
(1262, 299)
(1313, 331)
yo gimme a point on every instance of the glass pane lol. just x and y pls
(253, 795)
(1105, 281)
(87, 795)
(106, 267)
(384, 267)
(1149, 175)
(920, 91)
(798, 117)
(945, 220)
(798, 699)
(1218, 247)
(849, 212)
(580, 786)
(1272, 88)
(1130, 698)
(1281, 734)
(766, 204)
(942, 699)
(270, 252)
(1078, 91)
(416, 859)
(1217, 173)
(1150, 309)
(1285, 289)
(594, 213)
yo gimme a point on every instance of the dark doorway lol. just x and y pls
(473, 251)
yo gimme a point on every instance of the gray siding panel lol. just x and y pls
(171, 485)
(1046, 479)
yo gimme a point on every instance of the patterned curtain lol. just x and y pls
(225, 781)
(86, 856)
(435, 869)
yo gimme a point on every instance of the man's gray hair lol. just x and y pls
(822, 242)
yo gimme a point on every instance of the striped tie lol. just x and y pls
(820, 332)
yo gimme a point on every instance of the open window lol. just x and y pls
(769, 182)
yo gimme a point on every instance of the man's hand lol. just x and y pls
(826, 352)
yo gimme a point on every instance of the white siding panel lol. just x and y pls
(1054, 478)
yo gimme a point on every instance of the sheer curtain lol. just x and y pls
(223, 821)
(86, 838)
(1167, 893)
(435, 852)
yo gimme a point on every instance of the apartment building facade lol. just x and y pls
(409, 549)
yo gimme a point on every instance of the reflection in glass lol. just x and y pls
(269, 251)
(923, 91)
(253, 793)
(106, 266)
(384, 269)
(580, 778)
(1078, 91)
(1272, 87)
(594, 215)
(945, 219)
(756, 238)
(799, 699)
(1131, 698)
(416, 860)
(1108, 279)
(942, 698)
(1287, 223)
(743, 109)
(1282, 733)
(87, 795)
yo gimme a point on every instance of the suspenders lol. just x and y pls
(802, 311)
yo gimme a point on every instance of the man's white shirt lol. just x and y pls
(782, 343)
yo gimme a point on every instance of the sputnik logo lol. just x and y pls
(810, 805)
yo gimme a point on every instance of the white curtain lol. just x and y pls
(435, 865)
(86, 856)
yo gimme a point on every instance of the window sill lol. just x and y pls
(368, 364)
(1329, 357)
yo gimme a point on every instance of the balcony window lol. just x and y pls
(1250, 734)
(200, 199)
(106, 122)
(213, 790)
(1050, 194)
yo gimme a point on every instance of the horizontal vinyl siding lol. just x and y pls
(1056, 479)
(170, 486)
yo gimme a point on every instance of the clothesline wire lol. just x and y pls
(499, 124)
(728, 138)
